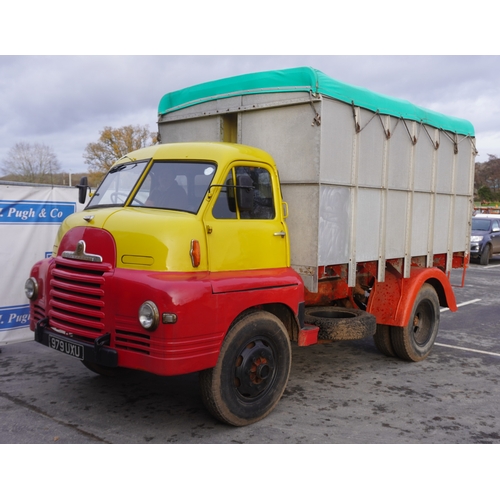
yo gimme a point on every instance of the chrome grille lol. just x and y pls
(77, 297)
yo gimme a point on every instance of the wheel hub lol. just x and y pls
(254, 369)
(422, 326)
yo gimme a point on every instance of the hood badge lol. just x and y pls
(80, 254)
(88, 218)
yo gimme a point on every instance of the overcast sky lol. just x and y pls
(65, 101)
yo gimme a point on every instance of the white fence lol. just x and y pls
(30, 216)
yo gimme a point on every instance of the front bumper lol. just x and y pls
(97, 352)
(475, 249)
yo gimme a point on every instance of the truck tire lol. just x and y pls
(485, 256)
(414, 341)
(340, 323)
(251, 372)
(383, 341)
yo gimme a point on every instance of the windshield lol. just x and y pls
(175, 186)
(480, 224)
(117, 185)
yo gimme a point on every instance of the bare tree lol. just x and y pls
(115, 143)
(487, 174)
(31, 162)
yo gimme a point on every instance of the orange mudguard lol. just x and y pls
(392, 301)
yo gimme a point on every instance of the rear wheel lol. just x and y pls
(383, 340)
(251, 373)
(414, 341)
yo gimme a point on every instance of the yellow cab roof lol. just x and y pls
(220, 152)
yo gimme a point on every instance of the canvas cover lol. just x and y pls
(310, 80)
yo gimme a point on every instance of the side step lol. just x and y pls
(308, 335)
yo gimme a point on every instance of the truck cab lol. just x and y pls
(177, 246)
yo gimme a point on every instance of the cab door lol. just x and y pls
(245, 228)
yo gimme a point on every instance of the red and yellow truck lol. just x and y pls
(198, 255)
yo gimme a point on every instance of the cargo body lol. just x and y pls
(309, 211)
(361, 185)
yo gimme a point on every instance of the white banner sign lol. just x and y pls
(30, 216)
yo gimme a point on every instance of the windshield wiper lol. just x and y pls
(117, 168)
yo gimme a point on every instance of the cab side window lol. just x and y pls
(225, 207)
(257, 182)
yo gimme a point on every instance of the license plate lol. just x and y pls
(66, 346)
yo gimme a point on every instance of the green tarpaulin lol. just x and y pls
(309, 80)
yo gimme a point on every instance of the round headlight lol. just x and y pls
(31, 288)
(149, 316)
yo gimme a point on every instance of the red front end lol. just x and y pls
(88, 308)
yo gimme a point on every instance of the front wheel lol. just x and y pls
(485, 256)
(251, 372)
(414, 341)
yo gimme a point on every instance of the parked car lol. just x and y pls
(485, 238)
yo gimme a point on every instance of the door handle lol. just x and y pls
(281, 233)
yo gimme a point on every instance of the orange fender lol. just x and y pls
(391, 302)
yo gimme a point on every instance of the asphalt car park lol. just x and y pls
(342, 392)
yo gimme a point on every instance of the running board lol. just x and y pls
(308, 335)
